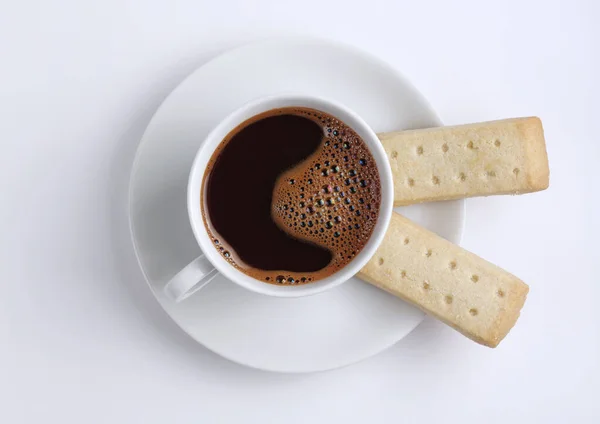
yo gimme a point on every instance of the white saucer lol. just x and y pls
(321, 332)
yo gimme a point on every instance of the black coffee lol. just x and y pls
(291, 196)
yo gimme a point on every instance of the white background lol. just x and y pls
(83, 341)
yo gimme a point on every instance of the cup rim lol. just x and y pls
(240, 115)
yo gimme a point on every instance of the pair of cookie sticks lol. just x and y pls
(475, 297)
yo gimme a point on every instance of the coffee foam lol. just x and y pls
(331, 199)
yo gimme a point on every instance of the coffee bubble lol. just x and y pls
(332, 190)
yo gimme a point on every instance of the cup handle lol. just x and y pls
(190, 279)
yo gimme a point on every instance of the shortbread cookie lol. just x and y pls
(498, 157)
(466, 292)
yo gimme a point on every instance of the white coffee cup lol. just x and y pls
(204, 268)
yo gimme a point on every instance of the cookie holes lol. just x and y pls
(406, 241)
(444, 147)
(462, 176)
(411, 182)
(474, 278)
(394, 154)
(516, 171)
(420, 150)
(435, 180)
(497, 143)
(426, 285)
(473, 311)
(380, 261)
(452, 265)
(448, 299)
(500, 293)
(428, 253)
